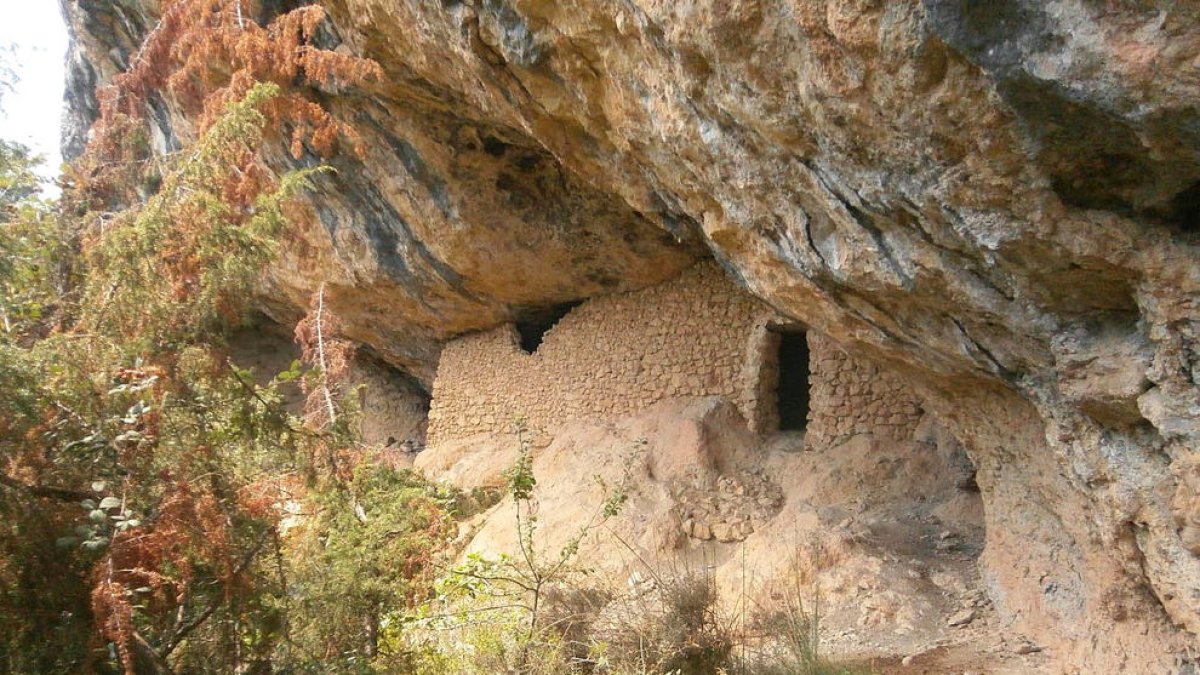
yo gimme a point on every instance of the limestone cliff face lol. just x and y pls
(999, 199)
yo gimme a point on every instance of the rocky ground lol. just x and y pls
(886, 534)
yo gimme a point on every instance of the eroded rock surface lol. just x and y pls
(996, 199)
(882, 530)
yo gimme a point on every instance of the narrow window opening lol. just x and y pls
(793, 388)
(532, 326)
(1186, 207)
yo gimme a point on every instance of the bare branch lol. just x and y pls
(320, 320)
(48, 491)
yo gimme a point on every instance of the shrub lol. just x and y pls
(369, 550)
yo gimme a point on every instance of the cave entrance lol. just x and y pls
(533, 324)
(792, 390)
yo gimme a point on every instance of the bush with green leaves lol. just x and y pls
(143, 474)
(368, 549)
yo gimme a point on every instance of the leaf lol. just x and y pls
(88, 504)
(110, 502)
(144, 384)
(291, 373)
(66, 542)
(134, 413)
(98, 486)
(98, 516)
(131, 435)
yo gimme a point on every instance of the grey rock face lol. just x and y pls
(998, 199)
(1114, 128)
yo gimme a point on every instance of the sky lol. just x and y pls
(32, 112)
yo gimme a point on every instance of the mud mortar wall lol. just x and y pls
(698, 335)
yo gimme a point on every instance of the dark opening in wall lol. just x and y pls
(533, 324)
(1186, 208)
(271, 9)
(793, 381)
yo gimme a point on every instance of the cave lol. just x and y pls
(792, 389)
(533, 324)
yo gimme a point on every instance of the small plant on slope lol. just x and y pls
(498, 603)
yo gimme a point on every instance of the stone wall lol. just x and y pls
(393, 407)
(698, 335)
(851, 396)
(609, 357)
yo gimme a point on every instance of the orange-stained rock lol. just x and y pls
(996, 200)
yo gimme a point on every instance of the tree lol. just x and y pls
(128, 441)
(142, 474)
(30, 244)
(204, 55)
(370, 550)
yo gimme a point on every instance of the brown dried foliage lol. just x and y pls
(204, 55)
(191, 525)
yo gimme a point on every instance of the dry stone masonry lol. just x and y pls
(731, 510)
(1000, 200)
(699, 335)
(852, 396)
(393, 408)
